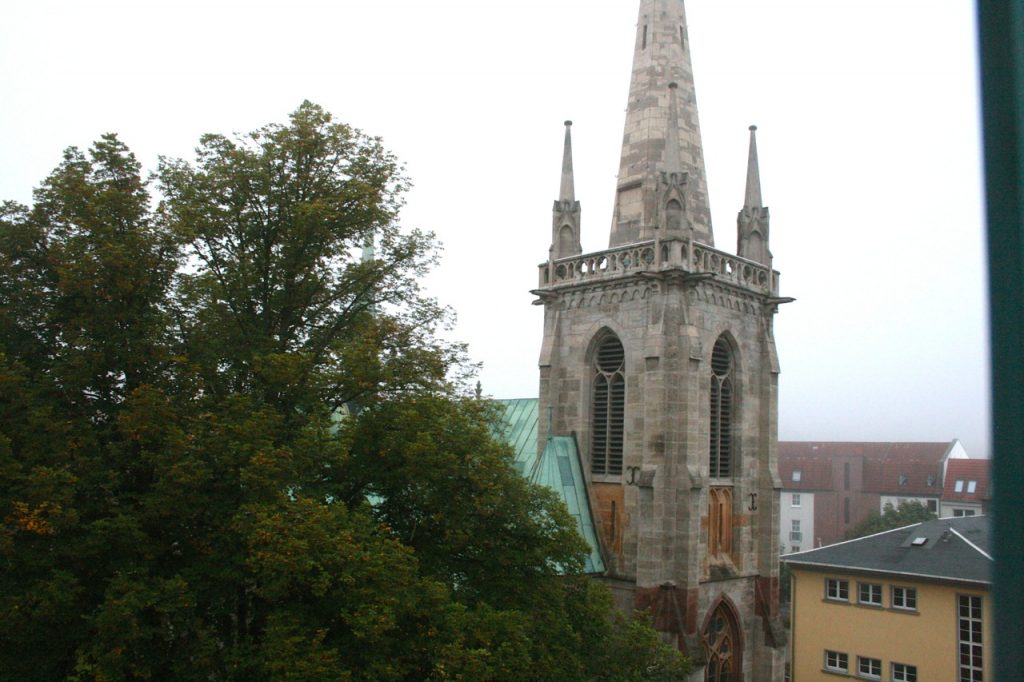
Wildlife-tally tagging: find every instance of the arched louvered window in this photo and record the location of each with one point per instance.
(721, 410)
(608, 413)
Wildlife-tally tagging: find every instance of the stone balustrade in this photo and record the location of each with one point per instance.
(659, 256)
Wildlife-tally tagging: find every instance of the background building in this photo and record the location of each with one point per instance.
(907, 605)
(838, 485)
(967, 489)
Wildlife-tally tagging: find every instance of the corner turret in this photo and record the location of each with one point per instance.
(565, 222)
(753, 219)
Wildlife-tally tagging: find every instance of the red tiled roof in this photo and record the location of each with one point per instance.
(815, 474)
(967, 470)
(907, 468)
(897, 468)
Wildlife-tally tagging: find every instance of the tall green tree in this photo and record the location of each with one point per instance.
(233, 447)
(83, 295)
(906, 514)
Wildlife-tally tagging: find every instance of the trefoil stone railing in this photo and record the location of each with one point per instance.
(657, 256)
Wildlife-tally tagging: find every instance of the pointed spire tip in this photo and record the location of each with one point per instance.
(753, 193)
(568, 191)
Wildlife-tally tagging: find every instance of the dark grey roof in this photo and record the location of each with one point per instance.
(954, 549)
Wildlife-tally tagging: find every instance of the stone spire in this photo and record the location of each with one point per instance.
(568, 191)
(753, 198)
(369, 251)
(661, 57)
(565, 223)
(752, 222)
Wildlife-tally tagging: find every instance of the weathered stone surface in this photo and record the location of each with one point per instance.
(668, 296)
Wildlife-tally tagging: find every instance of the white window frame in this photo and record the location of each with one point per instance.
(874, 590)
(906, 594)
(795, 535)
(904, 672)
(840, 586)
(837, 661)
(796, 500)
(872, 663)
(797, 475)
(975, 646)
(958, 487)
(972, 487)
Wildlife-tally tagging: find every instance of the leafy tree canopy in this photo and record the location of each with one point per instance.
(908, 513)
(233, 445)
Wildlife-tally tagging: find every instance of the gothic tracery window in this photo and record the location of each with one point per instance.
(608, 408)
(721, 640)
(720, 462)
(721, 450)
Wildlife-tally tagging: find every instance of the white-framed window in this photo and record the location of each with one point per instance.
(972, 486)
(871, 668)
(970, 638)
(836, 661)
(869, 594)
(796, 499)
(901, 672)
(794, 548)
(836, 589)
(797, 475)
(958, 486)
(794, 531)
(904, 598)
(963, 512)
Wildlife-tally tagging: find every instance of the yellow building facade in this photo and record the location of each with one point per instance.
(853, 618)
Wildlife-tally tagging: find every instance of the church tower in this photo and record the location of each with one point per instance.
(659, 357)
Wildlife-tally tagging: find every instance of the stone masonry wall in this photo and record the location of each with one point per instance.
(668, 329)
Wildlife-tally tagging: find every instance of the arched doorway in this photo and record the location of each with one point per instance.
(722, 642)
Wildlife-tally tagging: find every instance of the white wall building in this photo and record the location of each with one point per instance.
(796, 521)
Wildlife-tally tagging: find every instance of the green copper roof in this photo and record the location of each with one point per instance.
(521, 429)
(558, 468)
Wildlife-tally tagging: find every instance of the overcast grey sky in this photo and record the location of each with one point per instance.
(868, 138)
